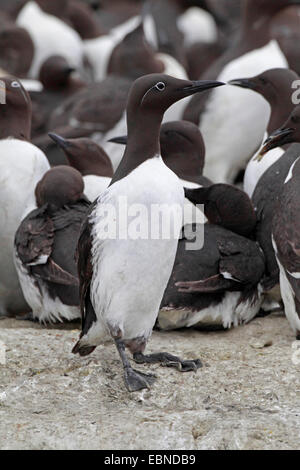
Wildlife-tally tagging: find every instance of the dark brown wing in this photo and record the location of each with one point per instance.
(34, 243)
(85, 272)
(34, 238)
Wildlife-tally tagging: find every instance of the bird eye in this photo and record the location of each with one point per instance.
(15, 84)
(160, 86)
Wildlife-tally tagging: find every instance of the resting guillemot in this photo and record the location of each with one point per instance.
(237, 130)
(276, 86)
(122, 281)
(22, 165)
(182, 149)
(218, 284)
(227, 206)
(90, 160)
(45, 245)
(286, 222)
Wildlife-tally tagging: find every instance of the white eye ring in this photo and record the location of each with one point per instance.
(15, 84)
(160, 86)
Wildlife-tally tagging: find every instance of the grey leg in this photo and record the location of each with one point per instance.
(134, 380)
(168, 360)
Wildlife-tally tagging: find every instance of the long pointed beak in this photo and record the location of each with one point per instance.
(60, 141)
(200, 85)
(243, 83)
(119, 140)
(276, 139)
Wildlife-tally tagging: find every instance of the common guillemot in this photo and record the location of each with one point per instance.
(115, 274)
(285, 223)
(92, 162)
(219, 283)
(276, 86)
(253, 52)
(22, 165)
(45, 245)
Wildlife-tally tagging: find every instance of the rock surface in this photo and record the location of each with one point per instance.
(246, 396)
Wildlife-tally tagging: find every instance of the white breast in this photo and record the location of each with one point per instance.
(130, 275)
(256, 168)
(95, 185)
(235, 119)
(50, 36)
(22, 165)
(197, 25)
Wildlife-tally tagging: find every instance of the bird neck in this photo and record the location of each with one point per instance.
(14, 123)
(142, 143)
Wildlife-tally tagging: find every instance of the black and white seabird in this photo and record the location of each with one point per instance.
(276, 86)
(233, 123)
(122, 281)
(22, 165)
(219, 283)
(45, 245)
(286, 223)
(91, 160)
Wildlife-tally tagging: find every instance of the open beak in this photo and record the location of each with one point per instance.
(119, 140)
(60, 141)
(243, 83)
(200, 85)
(276, 139)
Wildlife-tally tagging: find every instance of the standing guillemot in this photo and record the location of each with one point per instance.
(218, 284)
(276, 86)
(45, 245)
(50, 36)
(285, 223)
(115, 273)
(253, 52)
(22, 165)
(90, 160)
